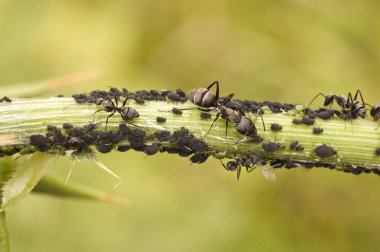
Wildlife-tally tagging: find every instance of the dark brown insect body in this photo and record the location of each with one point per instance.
(204, 97)
(127, 113)
(351, 107)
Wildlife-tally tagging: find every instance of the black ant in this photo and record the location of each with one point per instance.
(250, 162)
(351, 107)
(205, 98)
(127, 113)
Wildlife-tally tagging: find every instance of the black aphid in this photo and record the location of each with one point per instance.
(317, 130)
(271, 147)
(177, 111)
(162, 136)
(375, 112)
(293, 145)
(297, 121)
(307, 120)
(325, 113)
(324, 151)
(67, 126)
(6, 99)
(51, 128)
(152, 149)
(160, 119)
(127, 113)
(41, 142)
(377, 151)
(104, 147)
(299, 148)
(198, 145)
(181, 93)
(123, 148)
(199, 158)
(174, 97)
(275, 127)
(205, 115)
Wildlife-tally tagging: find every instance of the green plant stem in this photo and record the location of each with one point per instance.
(4, 237)
(355, 141)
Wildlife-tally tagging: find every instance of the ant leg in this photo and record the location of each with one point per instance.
(238, 172)
(358, 92)
(315, 98)
(225, 167)
(99, 111)
(124, 102)
(109, 117)
(217, 88)
(262, 120)
(216, 118)
(226, 127)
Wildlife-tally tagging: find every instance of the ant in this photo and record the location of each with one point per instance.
(127, 113)
(250, 162)
(205, 98)
(351, 107)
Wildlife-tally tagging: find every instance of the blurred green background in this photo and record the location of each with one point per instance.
(264, 50)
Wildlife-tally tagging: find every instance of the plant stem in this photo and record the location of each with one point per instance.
(354, 141)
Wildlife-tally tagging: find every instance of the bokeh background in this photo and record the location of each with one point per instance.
(285, 50)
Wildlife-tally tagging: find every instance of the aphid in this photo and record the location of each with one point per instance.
(67, 126)
(271, 147)
(51, 128)
(160, 119)
(375, 112)
(104, 147)
(317, 130)
(6, 99)
(204, 97)
(293, 145)
(324, 151)
(177, 111)
(297, 121)
(325, 113)
(181, 93)
(162, 136)
(152, 149)
(307, 120)
(299, 148)
(205, 115)
(198, 145)
(377, 151)
(123, 148)
(41, 142)
(199, 158)
(275, 127)
(174, 97)
(127, 113)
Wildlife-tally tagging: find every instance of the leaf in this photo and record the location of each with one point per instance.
(54, 185)
(20, 179)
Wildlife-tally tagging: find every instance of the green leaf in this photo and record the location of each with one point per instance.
(54, 185)
(20, 179)
(4, 238)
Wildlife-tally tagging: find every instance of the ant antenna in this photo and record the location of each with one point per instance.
(315, 98)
